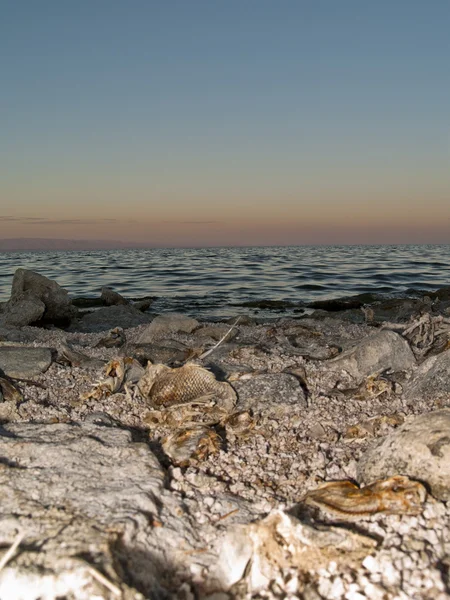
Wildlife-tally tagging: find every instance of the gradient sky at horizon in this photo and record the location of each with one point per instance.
(226, 122)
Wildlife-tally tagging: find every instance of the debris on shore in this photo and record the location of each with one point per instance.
(165, 457)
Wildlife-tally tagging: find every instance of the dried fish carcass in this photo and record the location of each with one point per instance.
(196, 442)
(164, 387)
(394, 495)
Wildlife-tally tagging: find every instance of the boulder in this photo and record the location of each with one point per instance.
(58, 306)
(164, 325)
(110, 317)
(431, 379)
(398, 309)
(419, 449)
(25, 308)
(384, 350)
(111, 298)
(24, 362)
(89, 500)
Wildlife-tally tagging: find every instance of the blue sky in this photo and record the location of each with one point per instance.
(208, 122)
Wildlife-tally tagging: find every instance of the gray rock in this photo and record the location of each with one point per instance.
(431, 379)
(270, 394)
(111, 298)
(165, 352)
(143, 304)
(24, 362)
(23, 309)
(384, 350)
(441, 294)
(87, 496)
(419, 449)
(397, 309)
(166, 324)
(109, 318)
(216, 332)
(58, 306)
(11, 334)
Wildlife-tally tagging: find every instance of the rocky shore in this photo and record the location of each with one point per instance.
(157, 456)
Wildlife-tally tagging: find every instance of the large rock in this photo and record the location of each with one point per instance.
(109, 318)
(419, 449)
(431, 379)
(384, 350)
(397, 309)
(23, 309)
(24, 362)
(164, 325)
(111, 298)
(86, 496)
(58, 306)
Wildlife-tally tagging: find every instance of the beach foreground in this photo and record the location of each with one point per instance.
(164, 457)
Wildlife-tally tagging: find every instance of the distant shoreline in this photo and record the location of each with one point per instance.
(68, 245)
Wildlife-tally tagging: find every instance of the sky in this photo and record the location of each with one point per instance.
(225, 122)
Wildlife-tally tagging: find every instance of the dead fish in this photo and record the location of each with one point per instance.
(164, 386)
(196, 442)
(394, 495)
(78, 359)
(9, 392)
(115, 339)
(201, 411)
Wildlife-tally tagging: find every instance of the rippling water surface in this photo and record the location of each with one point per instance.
(215, 281)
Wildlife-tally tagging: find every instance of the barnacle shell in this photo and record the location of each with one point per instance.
(193, 442)
(164, 386)
(394, 495)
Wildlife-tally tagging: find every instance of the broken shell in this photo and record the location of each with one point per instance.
(164, 386)
(196, 442)
(394, 495)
